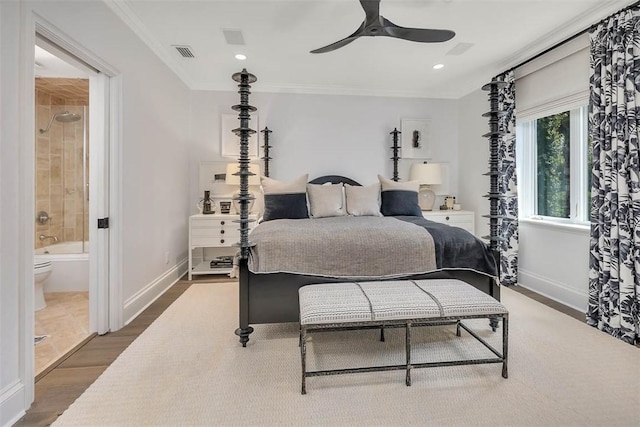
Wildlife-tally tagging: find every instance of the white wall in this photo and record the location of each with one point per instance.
(324, 135)
(12, 390)
(555, 262)
(155, 172)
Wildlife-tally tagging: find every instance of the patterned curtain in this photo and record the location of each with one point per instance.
(614, 261)
(507, 185)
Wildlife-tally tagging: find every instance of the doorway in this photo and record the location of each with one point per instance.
(95, 155)
(61, 238)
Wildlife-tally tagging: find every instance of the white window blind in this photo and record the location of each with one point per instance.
(557, 81)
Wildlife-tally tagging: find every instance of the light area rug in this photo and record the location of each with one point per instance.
(188, 369)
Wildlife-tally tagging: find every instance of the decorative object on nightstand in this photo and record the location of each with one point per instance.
(225, 207)
(449, 201)
(233, 178)
(206, 204)
(426, 174)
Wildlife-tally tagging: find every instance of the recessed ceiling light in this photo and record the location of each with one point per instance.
(438, 66)
(241, 57)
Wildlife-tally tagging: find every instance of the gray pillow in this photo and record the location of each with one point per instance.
(285, 200)
(363, 200)
(399, 198)
(326, 200)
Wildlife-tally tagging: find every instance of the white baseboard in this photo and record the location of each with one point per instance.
(559, 292)
(12, 401)
(147, 295)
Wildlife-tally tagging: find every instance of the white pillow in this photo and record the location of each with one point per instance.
(363, 200)
(325, 200)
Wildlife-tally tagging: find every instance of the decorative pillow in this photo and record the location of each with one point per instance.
(399, 198)
(363, 200)
(325, 200)
(285, 200)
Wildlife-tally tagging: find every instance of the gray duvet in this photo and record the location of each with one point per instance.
(345, 247)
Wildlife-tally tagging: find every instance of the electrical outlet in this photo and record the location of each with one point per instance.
(166, 257)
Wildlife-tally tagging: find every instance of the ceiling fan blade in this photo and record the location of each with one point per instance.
(345, 41)
(423, 35)
(371, 9)
(334, 46)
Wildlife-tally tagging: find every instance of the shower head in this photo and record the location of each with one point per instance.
(67, 117)
(64, 117)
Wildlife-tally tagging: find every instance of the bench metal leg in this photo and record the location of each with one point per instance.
(458, 328)
(505, 344)
(303, 356)
(382, 334)
(494, 322)
(408, 344)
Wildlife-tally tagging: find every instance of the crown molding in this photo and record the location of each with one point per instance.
(124, 12)
(332, 90)
(581, 22)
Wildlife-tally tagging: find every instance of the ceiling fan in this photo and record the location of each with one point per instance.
(376, 25)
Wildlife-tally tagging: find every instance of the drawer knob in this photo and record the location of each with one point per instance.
(221, 240)
(221, 231)
(221, 222)
(447, 218)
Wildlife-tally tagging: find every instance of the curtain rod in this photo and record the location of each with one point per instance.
(560, 43)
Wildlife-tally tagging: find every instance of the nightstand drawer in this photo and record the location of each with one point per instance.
(215, 232)
(213, 242)
(449, 219)
(214, 223)
(462, 219)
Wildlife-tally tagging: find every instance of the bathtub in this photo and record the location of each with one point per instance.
(70, 266)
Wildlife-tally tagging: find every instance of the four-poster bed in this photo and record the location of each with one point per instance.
(272, 296)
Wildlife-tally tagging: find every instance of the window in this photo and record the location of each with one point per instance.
(555, 162)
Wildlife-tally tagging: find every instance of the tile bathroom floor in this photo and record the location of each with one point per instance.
(64, 322)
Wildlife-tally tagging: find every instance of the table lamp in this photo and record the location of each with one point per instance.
(426, 174)
(234, 180)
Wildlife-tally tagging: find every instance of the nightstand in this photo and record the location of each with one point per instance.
(212, 236)
(462, 219)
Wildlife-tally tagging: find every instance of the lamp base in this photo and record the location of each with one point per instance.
(426, 198)
(236, 202)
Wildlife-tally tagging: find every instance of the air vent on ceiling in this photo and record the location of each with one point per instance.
(460, 48)
(233, 36)
(185, 51)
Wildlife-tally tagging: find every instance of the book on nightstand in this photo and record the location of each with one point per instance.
(221, 262)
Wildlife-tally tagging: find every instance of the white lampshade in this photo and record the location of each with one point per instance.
(233, 168)
(426, 173)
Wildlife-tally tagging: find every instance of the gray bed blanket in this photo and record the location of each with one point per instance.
(456, 248)
(346, 247)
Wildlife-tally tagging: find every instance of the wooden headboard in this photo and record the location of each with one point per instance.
(334, 179)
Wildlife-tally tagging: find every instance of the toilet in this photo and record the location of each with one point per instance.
(41, 271)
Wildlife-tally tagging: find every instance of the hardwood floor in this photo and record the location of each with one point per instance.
(61, 386)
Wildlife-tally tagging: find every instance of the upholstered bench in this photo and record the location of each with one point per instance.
(400, 303)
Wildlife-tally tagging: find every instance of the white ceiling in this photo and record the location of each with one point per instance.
(279, 35)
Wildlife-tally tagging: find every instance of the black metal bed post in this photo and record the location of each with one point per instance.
(243, 198)
(395, 157)
(494, 136)
(266, 132)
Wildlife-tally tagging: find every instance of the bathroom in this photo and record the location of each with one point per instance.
(61, 262)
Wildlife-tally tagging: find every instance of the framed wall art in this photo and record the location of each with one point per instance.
(230, 142)
(416, 138)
